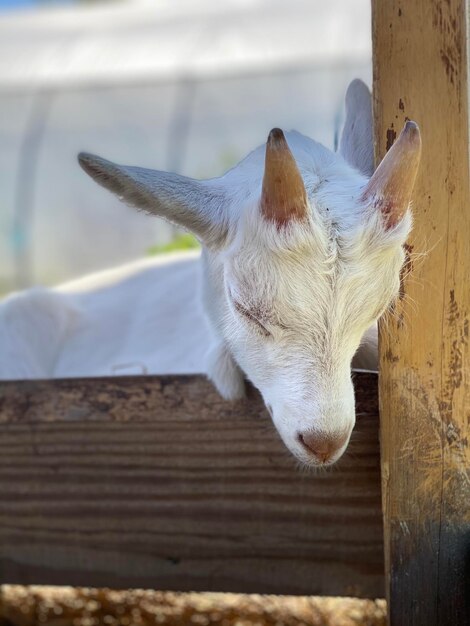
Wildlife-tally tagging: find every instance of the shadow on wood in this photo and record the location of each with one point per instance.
(157, 482)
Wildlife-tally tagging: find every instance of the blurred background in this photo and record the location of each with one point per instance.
(189, 86)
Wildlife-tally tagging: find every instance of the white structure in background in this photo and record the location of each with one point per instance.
(186, 85)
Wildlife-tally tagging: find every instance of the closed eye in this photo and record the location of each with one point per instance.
(252, 318)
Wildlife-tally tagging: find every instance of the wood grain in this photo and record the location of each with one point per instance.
(157, 482)
(421, 73)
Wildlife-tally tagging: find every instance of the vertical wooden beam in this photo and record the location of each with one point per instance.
(421, 73)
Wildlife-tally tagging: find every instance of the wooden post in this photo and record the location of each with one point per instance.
(421, 73)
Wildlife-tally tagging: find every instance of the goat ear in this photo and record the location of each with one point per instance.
(198, 206)
(391, 185)
(357, 144)
(283, 195)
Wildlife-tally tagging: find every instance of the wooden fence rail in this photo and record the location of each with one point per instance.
(157, 482)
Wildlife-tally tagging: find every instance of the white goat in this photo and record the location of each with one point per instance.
(301, 254)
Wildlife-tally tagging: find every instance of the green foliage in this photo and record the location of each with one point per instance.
(184, 241)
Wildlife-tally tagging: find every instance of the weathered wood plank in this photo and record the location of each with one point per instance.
(421, 73)
(157, 482)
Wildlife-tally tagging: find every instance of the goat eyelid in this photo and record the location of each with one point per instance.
(252, 318)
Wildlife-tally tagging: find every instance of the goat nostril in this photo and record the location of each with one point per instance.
(319, 448)
(323, 447)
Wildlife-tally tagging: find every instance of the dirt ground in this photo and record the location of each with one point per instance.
(66, 606)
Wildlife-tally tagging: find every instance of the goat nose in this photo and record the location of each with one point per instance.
(323, 446)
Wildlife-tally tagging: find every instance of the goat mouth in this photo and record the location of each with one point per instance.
(313, 464)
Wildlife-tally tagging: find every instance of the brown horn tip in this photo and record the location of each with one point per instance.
(277, 136)
(411, 127)
(283, 195)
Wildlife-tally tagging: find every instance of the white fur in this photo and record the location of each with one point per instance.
(316, 286)
(145, 317)
(142, 318)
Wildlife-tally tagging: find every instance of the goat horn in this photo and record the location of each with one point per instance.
(283, 196)
(392, 183)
